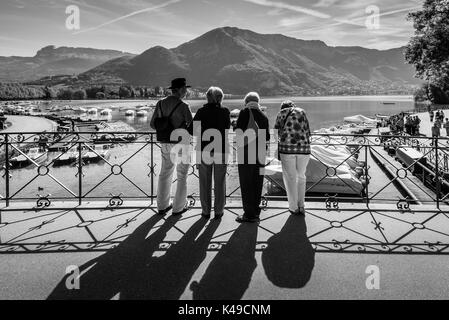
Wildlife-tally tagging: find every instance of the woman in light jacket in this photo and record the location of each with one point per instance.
(294, 151)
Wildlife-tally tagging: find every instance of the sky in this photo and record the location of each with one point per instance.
(136, 25)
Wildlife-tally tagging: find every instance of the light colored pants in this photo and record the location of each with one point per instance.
(294, 168)
(171, 159)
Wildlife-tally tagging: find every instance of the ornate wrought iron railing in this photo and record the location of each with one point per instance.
(43, 168)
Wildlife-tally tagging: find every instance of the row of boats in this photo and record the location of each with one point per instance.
(92, 154)
(38, 107)
(20, 108)
(139, 111)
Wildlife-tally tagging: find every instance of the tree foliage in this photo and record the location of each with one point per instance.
(65, 94)
(124, 93)
(11, 91)
(79, 94)
(428, 49)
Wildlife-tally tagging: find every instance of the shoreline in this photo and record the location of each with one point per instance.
(27, 124)
(228, 97)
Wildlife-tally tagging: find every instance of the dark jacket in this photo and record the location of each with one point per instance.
(262, 122)
(213, 116)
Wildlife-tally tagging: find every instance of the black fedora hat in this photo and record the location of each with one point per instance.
(179, 83)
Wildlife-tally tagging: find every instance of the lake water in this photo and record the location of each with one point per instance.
(323, 112)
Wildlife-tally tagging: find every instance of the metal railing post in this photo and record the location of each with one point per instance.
(80, 174)
(152, 168)
(366, 176)
(437, 174)
(7, 170)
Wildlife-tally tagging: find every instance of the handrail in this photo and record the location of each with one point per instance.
(356, 144)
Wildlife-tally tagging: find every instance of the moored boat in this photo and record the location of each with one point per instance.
(345, 177)
(33, 155)
(80, 110)
(66, 159)
(92, 111)
(96, 155)
(106, 112)
(141, 113)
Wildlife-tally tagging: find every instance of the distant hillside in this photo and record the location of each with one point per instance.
(51, 61)
(241, 60)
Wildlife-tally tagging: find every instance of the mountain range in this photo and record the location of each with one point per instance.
(50, 61)
(238, 61)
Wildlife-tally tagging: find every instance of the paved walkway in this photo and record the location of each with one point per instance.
(324, 256)
(426, 125)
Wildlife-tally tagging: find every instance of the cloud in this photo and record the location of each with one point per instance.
(289, 22)
(325, 3)
(295, 8)
(282, 5)
(19, 4)
(154, 8)
(363, 18)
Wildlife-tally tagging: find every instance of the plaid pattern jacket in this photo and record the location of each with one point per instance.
(294, 131)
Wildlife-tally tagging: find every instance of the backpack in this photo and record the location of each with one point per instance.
(163, 125)
(252, 124)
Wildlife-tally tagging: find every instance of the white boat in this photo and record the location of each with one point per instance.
(360, 119)
(141, 113)
(130, 113)
(146, 108)
(99, 154)
(80, 110)
(32, 155)
(56, 109)
(92, 111)
(66, 159)
(106, 112)
(345, 180)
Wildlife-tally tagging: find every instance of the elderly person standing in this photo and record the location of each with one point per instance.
(294, 151)
(212, 116)
(252, 121)
(175, 114)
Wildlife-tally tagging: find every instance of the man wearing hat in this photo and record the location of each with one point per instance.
(180, 117)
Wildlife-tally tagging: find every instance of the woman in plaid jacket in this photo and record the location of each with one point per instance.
(294, 151)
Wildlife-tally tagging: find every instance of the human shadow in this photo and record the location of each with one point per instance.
(229, 274)
(166, 277)
(289, 258)
(104, 277)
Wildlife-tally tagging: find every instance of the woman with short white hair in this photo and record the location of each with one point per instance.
(213, 163)
(250, 167)
(252, 97)
(214, 95)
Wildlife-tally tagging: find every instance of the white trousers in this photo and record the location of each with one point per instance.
(294, 168)
(171, 158)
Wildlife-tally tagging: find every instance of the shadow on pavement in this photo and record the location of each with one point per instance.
(132, 271)
(289, 259)
(229, 274)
